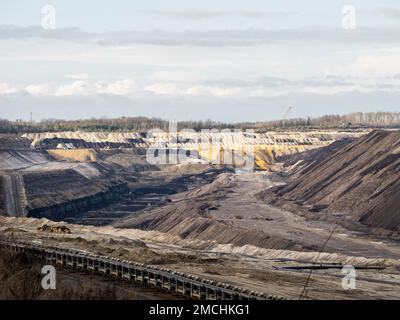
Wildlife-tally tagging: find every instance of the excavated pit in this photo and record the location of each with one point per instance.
(250, 229)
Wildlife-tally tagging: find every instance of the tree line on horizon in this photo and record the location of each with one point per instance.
(143, 124)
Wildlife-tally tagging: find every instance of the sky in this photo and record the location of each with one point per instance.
(223, 60)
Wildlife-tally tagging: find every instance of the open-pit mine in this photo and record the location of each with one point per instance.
(314, 205)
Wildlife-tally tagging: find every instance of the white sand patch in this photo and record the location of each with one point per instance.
(250, 250)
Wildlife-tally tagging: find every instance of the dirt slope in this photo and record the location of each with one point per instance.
(229, 211)
(13, 160)
(247, 266)
(208, 213)
(361, 179)
(14, 194)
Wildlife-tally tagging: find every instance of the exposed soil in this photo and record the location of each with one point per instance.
(248, 266)
(230, 211)
(359, 181)
(336, 204)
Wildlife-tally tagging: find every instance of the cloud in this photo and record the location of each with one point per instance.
(251, 37)
(175, 89)
(120, 88)
(196, 14)
(224, 109)
(78, 76)
(177, 75)
(274, 87)
(78, 87)
(81, 87)
(39, 89)
(262, 87)
(390, 12)
(124, 87)
(6, 89)
(211, 38)
(15, 32)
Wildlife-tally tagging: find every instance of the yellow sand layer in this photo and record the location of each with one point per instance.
(82, 155)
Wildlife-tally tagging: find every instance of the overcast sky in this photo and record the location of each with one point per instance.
(242, 60)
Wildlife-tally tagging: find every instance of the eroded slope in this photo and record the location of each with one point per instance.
(361, 179)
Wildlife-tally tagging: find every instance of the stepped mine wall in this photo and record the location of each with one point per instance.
(79, 205)
(267, 146)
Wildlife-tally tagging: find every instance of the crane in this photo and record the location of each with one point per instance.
(285, 115)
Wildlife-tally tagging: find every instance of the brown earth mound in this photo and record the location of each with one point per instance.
(197, 214)
(193, 221)
(360, 179)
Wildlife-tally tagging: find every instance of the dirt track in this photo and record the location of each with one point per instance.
(230, 212)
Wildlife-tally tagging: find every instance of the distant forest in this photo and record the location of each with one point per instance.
(143, 124)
